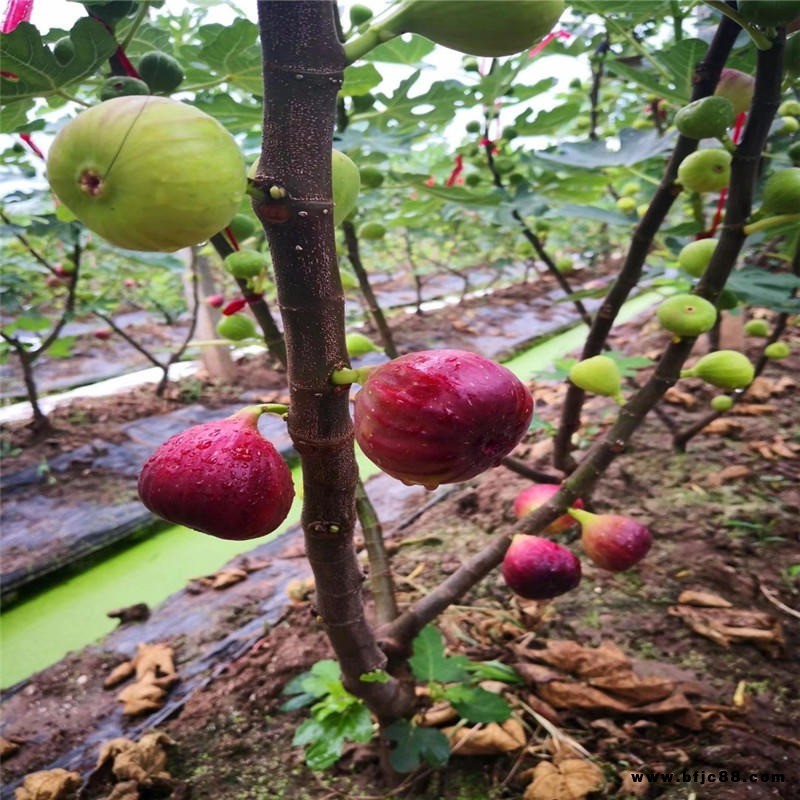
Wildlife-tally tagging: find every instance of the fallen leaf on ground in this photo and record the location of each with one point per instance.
(690, 597)
(727, 626)
(142, 697)
(138, 612)
(679, 397)
(753, 409)
(571, 779)
(52, 784)
(218, 580)
(731, 473)
(143, 761)
(125, 791)
(773, 450)
(723, 426)
(7, 747)
(155, 673)
(490, 739)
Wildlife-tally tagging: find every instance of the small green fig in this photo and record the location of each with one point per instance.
(709, 117)
(627, 205)
(705, 170)
(695, 257)
(473, 126)
(346, 185)
(372, 231)
(757, 327)
(788, 108)
(564, 264)
(722, 402)
(787, 126)
(359, 345)
(242, 227)
(599, 375)
(245, 263)
(359, 14)
(236, 327)
(122, 86)
(777, 350)
(781, 194)
(64, 50)
(686, 315)
(160, 71)
(371, 177)
(725, 369)
(629, 189)
(727, 300)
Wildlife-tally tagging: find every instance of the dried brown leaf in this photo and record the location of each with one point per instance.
(584, 661)
(731, 473)
(125, 791)
(52, 784)
(723, 426)
(754, 409)
(635, 690)
(7, 747)
(142, 697)
(119, 674)
(487, 740)
(727, 626)
(227, 577)
(571, 779)
(679, 397)
(144, 761)
(690, 597)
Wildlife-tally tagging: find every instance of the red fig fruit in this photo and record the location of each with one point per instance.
(103, 334)
(537, 569)
(528, 500)
(440, 416)
(614, 542)
(215, 300)
(222, 478)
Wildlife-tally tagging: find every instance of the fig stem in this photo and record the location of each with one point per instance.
(255, 411)
(770, 222)
(347, 375)
(581, 515)
(376, 34)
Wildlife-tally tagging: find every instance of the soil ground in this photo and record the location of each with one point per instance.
(686, 664)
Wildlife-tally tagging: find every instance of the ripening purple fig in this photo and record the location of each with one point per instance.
(538, 569)
(528, 500)
(612, 541)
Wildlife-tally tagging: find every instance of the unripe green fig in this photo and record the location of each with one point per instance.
(705, 118)
(480, 27)
(788, 108)
(725, 369)
(472, 179)
(791, 55)
(781, 194)
(564, 264)
(769, 13)
(359, 14)
(787, 126)
(737, 86)
(727, 300)
(346, 186)
(722, 402)
(599, 375)
(362, 102)
(473, 126)
(695, 257)
(113, 11)
(504, 165)
(242, 227)
(509, 133)
(686, 315)
(629, 189)
(122, 86)
(777, 350)
(147, 173)
(705, 170)
(359, 345)
(245, 263)
(794, 152)
(236, 327)
(372, 231)
(371, 177)
(160, 71)
(64, 50)
(627, 205)
(756, 327)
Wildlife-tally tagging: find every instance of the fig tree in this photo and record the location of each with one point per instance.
(598, 375)
(160, 71)
(695, 257)
(147, 173)
(613, 541)
(528, 500)
(480, 27)
(222, 478)
(538, 569)
(705, 170)
(686, 315)
(725, 369)
(440, 416)
(709, 117)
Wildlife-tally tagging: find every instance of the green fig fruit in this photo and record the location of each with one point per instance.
(757, 327)
(160, 71)
(346, 185)
(242, 227)
(480, 27)
(245, 263)
(794, 151)
(122, 86)
(564, 264)
(372, 231)
(695, 257)
(727, 300)
(781, 194)
(359, 14)
(627, 205)
(359, 345)
(788, 108)
(787, 126)
(722, 402)
(686, 315)
(64, 50)
(706, 118)
(599, 375)
(236, 327)
(371, 177)
(777, 350)
(705, 170)
(725, 369)
(629, 189)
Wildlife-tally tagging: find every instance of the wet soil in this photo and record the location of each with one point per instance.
(724, 520)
